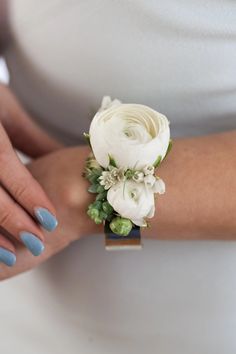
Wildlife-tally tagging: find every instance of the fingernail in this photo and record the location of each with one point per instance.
(7, 257)
(46, 219)
(32, 242)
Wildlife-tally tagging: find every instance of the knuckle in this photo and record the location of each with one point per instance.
(21, 191)
(70, 196)
(6, 216)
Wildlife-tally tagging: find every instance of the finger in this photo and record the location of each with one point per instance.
(19, 224)
(18, 181)
(7, 251)
(24, 133)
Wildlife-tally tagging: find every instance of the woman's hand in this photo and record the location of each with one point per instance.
(23, 202)
(59, 173)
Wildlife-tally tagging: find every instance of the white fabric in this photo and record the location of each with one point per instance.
(179, 57)
(4, 73)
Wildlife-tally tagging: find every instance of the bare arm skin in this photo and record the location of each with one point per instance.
(200, 201)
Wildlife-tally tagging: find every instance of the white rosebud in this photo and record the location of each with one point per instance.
(148, 170)
(132, 201)
(159, 186)
(133, 134)
(149, 180)
(138, 176)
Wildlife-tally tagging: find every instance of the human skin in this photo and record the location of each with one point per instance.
(199, 203)
(22, 199)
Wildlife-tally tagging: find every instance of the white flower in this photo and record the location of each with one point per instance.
(138, 176)
(132, 201)
(109, 178)
(159, 186)
(148, 170)
(134, 135)
(149, 180)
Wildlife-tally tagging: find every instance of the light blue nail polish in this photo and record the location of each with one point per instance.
(7, 257)
(32, 242)
(46, 219)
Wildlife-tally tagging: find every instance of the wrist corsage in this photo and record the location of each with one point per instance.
(128, 143)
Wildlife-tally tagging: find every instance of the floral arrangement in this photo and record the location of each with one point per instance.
(128, 142)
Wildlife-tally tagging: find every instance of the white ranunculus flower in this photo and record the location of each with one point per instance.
(133, 134)
(132, 200)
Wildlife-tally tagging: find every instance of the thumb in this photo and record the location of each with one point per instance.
(23, 132)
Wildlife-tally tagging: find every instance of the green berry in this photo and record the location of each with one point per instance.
(93, 213)
(98, 220)
(121, 226)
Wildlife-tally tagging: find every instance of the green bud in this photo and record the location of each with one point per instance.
(121, 226)
(107, 207)
(93, 213)
(129, 174)
(98, 220)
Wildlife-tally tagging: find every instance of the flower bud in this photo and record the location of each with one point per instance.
(121, 226)
(93, 212)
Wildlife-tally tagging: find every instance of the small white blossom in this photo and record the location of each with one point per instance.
(148, 170)
(138, 176)
(149, 180)
(111, 177)
(159, 186)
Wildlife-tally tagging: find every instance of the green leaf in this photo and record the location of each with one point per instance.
(169, 148)
(100, 189)
(101, 196)
(157, 162)
(97, 205)
(107, 207)
(112, 161)
(87, 138)
(93, 188)
(103, 215)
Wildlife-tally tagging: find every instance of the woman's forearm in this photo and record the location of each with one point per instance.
(200, 201)
(200, 198)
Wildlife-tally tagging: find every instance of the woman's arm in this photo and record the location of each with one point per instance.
(200, 202)
(200, 198)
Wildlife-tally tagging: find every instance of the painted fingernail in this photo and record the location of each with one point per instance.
(7, 257)
(46, 219)
(32, 242)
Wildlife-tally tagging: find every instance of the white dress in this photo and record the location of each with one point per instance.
(179, 57)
